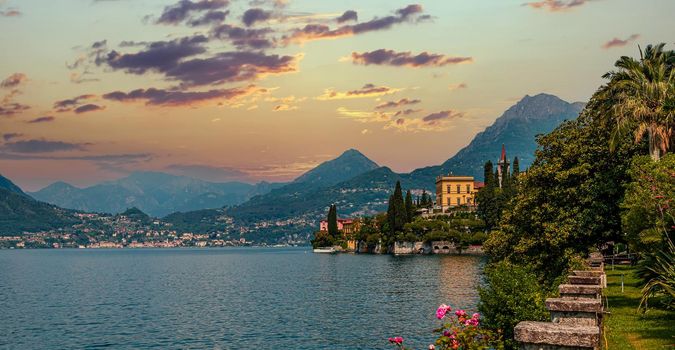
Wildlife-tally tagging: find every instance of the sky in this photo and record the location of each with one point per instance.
(252, 90)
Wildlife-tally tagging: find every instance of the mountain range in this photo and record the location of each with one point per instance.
(155, 193)
(364, 189)
(355, 183)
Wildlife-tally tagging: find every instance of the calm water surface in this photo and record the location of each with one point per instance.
(232, 298)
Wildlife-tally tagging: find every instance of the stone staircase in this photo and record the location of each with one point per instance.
(576, 316)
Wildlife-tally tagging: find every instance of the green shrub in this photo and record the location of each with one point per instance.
(510, 294)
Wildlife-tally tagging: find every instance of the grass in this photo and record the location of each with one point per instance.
(628, 328)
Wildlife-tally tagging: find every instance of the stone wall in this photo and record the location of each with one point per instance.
(576, 317)
(405, 248)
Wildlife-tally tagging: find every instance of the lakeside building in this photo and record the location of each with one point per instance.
(503, 165)
(348, 227)
(456, 190)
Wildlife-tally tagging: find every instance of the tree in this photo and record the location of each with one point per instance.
(332, 221)
(409, 207)
(396, 212)
(516, 167)
(488, 199)
(487, 173)
(640, 96)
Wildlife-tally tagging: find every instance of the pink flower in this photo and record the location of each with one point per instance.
(460, 313)
(442, 310)
(396, 340)
(475, 316)
(432, 347)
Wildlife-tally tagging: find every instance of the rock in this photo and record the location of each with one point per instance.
(557, 336)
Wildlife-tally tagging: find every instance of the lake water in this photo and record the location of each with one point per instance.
(230, 298)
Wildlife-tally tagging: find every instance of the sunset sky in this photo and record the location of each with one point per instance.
(267, 89)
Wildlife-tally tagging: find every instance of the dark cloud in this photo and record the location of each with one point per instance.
(279, 4)
(88, 108)
(211, 17)
(44, 119)
(321, 31)
(13, 81)
(407, 112)
(244, 37)
(12, 108)
(103, 159)
(182, 10)
(154, 96)
(160, 55)
(556, 5)
(349, 15)
(42, 146)
(11, 135)
(399, 103)
(393, 58)
(68, 104)
(616, 42)
(369, 89)
(252, 16)
(442, 115)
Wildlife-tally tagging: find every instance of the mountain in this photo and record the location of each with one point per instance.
(516, 129)
(348, 165)
(8, 185)
(155, 193)
(19, 212)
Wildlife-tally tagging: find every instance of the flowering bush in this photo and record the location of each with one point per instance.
(459, 332)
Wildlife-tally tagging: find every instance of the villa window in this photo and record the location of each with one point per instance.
(459, 201)
(468, 188)
(449, 201)
(449, 189)
(459, 189)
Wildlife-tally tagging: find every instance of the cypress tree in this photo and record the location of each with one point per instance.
(332, 221)
(487, 173)
(409, 207)
(398, 210)
(516, 167)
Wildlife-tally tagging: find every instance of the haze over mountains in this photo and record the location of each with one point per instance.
(355, 183)
(156, 193)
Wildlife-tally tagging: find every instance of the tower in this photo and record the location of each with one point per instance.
(503, 166)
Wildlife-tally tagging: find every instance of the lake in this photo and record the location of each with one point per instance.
(228, 298)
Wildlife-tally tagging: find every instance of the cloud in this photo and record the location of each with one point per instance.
(368, 90)
(211, 17)
(10, 13)
(349, 15)
(68, 105)
(442, 115)
(406, 112)
(167, 58)
(254, 15)
(363, 116)
(42, 146)
(244, 37)
(182, 10)
(160, 97)
(407, 59)
(160, 55)
(44, 119)
(11, 135)
(207, 172)
(90, 107)
(399, 103)
(12, 108)
(320, 31)
(556, 5)
(616, 42)
(13, 81)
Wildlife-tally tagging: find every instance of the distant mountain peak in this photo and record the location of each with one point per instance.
(10, 186)
(349, 164)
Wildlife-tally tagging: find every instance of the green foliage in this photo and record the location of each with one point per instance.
(409, 207)
(657, 272)
(569, 200)
(511, 294)
(323, 239)
(19, 213)
(649, 206)
(396, 213)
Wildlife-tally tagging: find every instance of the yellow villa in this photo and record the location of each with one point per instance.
(455, 190)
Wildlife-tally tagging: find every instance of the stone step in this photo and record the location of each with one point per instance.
(577, 291)
(571, 305)
(592, 280)
(554, 334)
(588, 273)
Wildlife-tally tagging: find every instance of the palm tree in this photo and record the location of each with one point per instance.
(641, 97)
